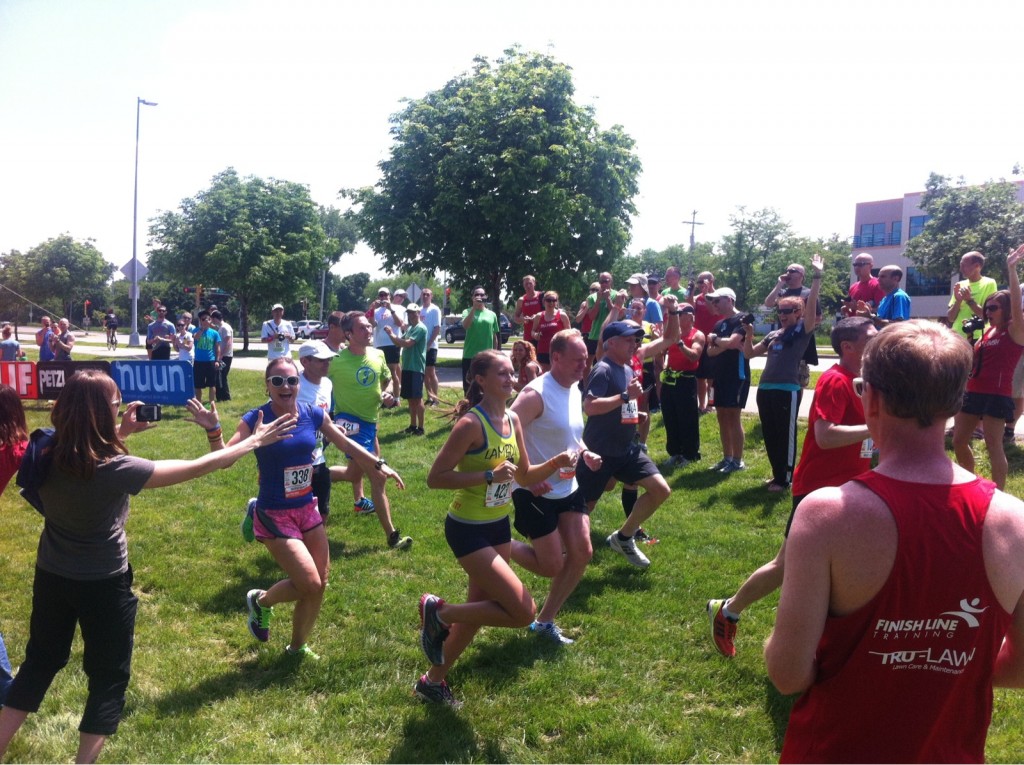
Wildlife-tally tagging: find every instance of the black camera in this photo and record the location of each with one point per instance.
(280, 337)
(748, 319)
(972, 325)
(148, 413)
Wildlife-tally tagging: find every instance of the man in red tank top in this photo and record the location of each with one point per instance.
(901, 586)
(527, 307)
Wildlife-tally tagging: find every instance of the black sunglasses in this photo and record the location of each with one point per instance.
(787, 311)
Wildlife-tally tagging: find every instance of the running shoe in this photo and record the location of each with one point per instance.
(419, 432)
(398, 542)
(250, 511)
(432, 632)
(733, 466)
(303, 652)
(364, 506)
(259, 616)
(550, 631)
(628, 549)
(723, 629)
(673, 462)
(719, 465)
(435, 693)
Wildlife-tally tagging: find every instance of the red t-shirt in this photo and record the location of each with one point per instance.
(871, 292)
(10, 461)
(547, 330)
(531, 307)
(704, 318)
(834, 401)
(908, 677)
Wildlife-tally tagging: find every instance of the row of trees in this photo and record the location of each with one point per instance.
(497, 174)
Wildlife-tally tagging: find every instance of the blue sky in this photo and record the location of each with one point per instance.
(806, 107)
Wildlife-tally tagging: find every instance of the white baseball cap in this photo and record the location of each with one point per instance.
(317, 349)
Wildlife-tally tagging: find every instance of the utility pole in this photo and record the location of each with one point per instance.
(693, 226)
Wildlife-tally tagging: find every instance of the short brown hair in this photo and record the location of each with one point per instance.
(920, 367)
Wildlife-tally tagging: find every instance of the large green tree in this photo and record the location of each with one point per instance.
(498, 174)
(58, 275)
(987, 218)
(261, 240)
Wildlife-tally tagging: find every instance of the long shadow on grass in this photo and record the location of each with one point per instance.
(442, 735)
(250, 676)
(230, 598)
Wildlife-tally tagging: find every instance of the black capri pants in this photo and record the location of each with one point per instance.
(105, 609)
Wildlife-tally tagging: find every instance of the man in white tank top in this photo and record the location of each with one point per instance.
(554, 513)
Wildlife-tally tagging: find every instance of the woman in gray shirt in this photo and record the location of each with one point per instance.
(82, 574)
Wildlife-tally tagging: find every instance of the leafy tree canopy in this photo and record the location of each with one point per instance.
(261, 240)
(499, 174)
(987, 218)
(59, 274)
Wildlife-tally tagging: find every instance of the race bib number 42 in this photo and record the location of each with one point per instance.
(298, 480)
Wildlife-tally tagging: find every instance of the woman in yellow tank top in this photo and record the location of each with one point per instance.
(482, 456)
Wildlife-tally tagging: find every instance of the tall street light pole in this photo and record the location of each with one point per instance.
(133, 339)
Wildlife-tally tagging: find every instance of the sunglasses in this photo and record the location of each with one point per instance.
(990, 307)
(279, 381)
(786, 311)
(860, 382)
(550, 300)
(858, 265)
(793, 271)
(605, 281)
(181, 326)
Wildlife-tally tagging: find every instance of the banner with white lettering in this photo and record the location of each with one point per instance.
(20, 375)
(154, 382)
(53, 375)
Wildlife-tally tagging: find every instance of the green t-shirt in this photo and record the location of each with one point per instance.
(357, 382)
(602, 312)
(680, 293)
(480, 335)
(981, 290)
(414, 358)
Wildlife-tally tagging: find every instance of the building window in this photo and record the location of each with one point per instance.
(897, 232)
(919, 285)
(872, 235)
(917, 224)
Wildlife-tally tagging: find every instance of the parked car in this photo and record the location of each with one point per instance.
(320, 333)
(304, 328)
(454, 331)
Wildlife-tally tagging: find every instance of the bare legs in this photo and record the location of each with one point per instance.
(306, 562)
(495, 598)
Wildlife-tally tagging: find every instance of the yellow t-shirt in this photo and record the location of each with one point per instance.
(483, 502)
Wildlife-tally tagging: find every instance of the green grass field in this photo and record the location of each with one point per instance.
(641, 684)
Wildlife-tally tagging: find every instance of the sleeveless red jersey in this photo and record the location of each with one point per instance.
(908, 677)
(531, 307)
(676, 361)
(995, 357)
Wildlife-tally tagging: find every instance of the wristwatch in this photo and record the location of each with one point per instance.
(379, 464)
(489, 476)
(624, 396)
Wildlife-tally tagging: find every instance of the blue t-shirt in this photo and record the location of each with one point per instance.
(286, 467)
(895, 306)
(205, 344)
(652, 313)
